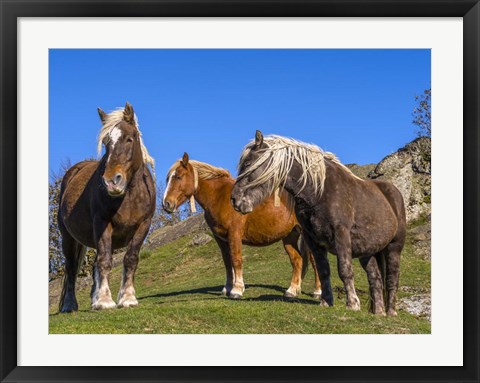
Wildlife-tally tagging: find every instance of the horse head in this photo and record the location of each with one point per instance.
(123, 146)
(182, 182)
(247, 193)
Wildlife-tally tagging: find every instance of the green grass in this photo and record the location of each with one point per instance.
(178, 288)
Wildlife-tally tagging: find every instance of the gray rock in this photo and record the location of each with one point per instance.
(409, 169)
(169, 234)
(421, 239)
(201, 239)
(419, 305)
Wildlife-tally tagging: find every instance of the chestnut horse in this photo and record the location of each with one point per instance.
(212, 187)
(106, 205)
(338, 211)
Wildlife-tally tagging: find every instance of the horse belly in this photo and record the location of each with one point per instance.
(261, 239)
(121, 238)
(372, 236)
(264, 230)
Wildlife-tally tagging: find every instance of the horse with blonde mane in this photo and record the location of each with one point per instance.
(339, 213)
(272, 221)
(107, 205)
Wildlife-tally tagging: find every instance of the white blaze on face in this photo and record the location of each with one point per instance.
(168, 186)
(115, 134)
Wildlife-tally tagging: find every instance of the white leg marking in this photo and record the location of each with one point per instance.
(126, 294)
(101, 297)
(294, 290)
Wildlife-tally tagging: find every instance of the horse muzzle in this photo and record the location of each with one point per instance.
(116, 186)
(241, 205)
(169, 207)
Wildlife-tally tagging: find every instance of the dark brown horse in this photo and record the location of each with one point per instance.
(339, 213)
(106, 205)
(212, 187)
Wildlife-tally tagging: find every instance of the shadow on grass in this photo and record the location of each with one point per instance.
(217, 291)
(73, 313)
(280, 298)
(212, 290)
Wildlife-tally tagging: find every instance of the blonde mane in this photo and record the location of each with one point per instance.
(111, 121)
(205, 171)
(279, 157)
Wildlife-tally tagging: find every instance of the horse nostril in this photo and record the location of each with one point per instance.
(232, 201)
(167, 206)
(117, 179)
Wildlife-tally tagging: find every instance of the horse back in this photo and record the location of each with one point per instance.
(74, 170)
(394, 197)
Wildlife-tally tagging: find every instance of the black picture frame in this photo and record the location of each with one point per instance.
(11, 10)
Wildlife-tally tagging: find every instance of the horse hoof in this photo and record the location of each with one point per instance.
(235, 296)
(317, 296)
(103, 305)
(127, 302)
(289, 296)
(392, 313)
(68, 308)
(354, 306)
(226, 292)
(324, 303)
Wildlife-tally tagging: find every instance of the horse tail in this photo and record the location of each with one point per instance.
(305, 253)
(76, 262)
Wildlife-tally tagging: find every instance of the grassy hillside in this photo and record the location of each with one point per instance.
(178, 288)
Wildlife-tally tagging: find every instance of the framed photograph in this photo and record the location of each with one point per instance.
(163, 131)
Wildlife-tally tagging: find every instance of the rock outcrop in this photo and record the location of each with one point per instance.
(167, 234)
(409, 169)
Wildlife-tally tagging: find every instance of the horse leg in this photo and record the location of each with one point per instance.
(317, 293)
(345, 268)
(322, 268)
(126, 294)
(227, 261)
(392, 258)
(100, 294)
(74, 253)
(299, 263)
(371, 267)
(235, 246)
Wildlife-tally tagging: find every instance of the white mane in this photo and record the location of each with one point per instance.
(111, 121)
(279, 157)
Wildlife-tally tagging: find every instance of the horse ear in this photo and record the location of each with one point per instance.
(129, 114)
(258, 138)
(185, 159)
(102, 114)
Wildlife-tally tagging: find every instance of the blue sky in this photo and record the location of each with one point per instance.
(355, 103)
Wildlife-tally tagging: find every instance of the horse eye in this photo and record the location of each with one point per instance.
(129, 139)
